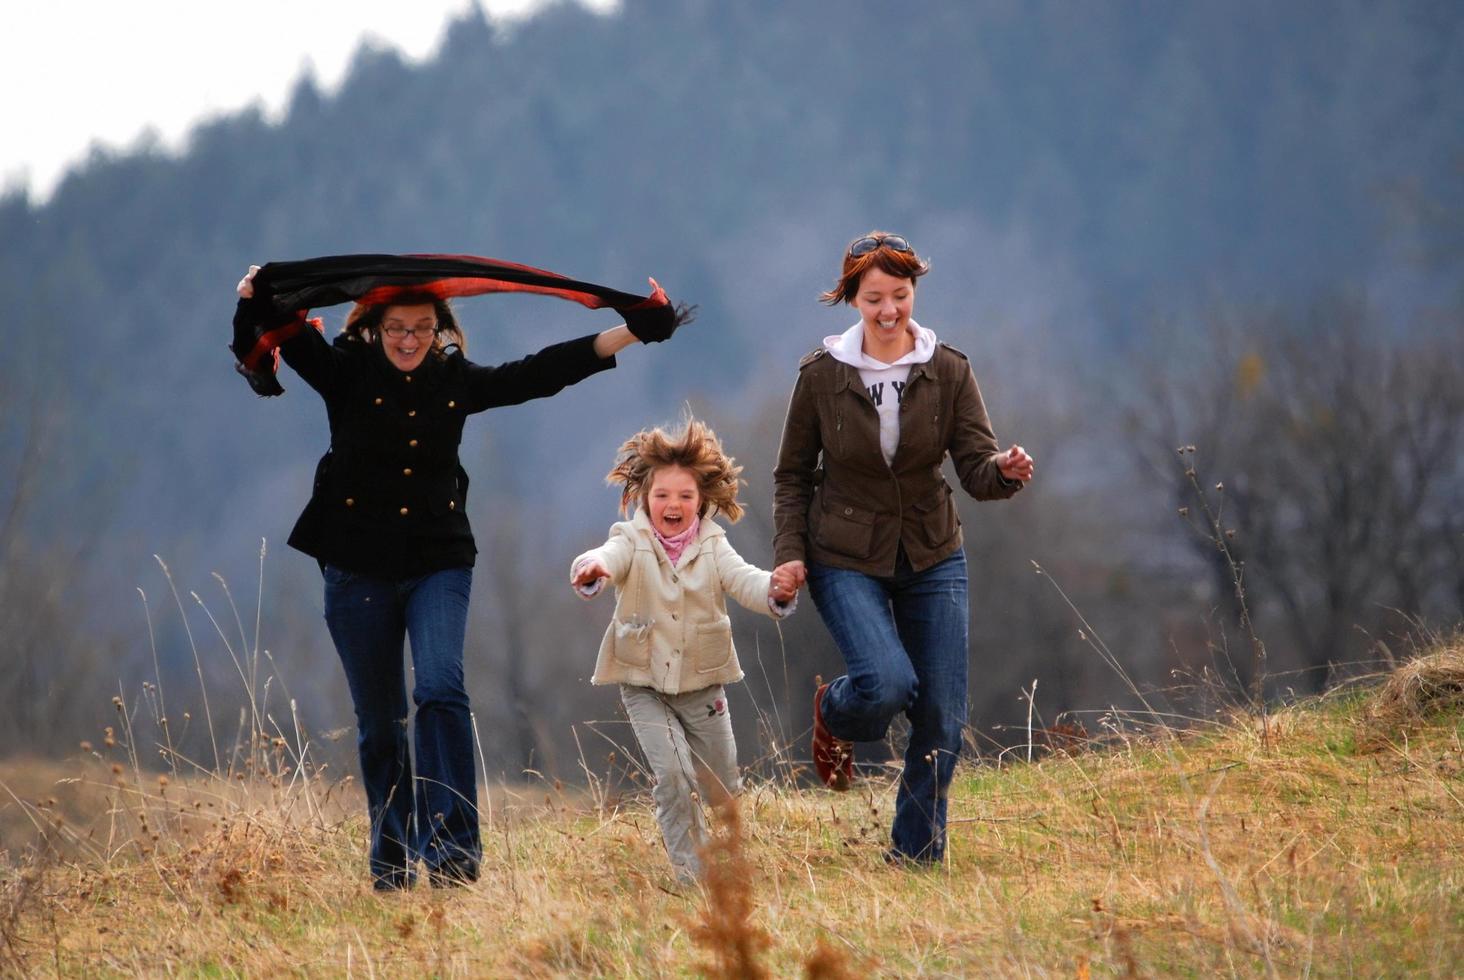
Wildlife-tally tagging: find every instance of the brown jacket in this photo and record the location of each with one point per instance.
(838, 503)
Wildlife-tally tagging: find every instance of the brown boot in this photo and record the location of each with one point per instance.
(833, 758)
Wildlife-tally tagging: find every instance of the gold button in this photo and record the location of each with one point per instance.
(412, 414)
(452, 404)
(452, 505)
(377, 402)
(412, 443)
(409, 377)
(404, 512)
(350, 501)
(407, 471)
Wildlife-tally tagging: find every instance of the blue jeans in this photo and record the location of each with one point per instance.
(904, 641)
(435, 816)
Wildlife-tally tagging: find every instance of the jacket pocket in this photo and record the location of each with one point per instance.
(631, 642)
(713, 645)
(936, 514)
(845, 529)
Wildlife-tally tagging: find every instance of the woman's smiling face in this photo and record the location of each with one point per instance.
(407, 333)
(885, 303)
(673, 500)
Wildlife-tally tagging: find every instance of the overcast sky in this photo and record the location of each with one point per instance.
(75, 72)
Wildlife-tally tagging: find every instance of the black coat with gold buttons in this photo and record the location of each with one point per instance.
(390, 494)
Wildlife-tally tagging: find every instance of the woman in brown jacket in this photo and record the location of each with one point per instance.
(864, 516)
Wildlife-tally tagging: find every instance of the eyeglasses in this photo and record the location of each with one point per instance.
(869, 243)
(398, 332)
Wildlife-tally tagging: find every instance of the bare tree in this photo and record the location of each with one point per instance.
(1337, 455)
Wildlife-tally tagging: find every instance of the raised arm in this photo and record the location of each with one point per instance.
(540, 375)
(610, 342)
(307, 351)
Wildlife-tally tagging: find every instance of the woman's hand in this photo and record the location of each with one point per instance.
(789, 577)
(245, 289)
(649, 325)
(653, 324)
(1015, 464)
(781, 588)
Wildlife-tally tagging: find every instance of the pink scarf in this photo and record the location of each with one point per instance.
(675, 546)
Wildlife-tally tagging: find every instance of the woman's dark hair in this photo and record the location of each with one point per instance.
(364, 321)
(901, 265)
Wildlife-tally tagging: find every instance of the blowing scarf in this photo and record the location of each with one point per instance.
(283, 291)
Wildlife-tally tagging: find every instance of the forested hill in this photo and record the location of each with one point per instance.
(1076, 171)
(1141, 147)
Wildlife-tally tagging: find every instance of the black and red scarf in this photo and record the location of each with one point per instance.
(284, 291)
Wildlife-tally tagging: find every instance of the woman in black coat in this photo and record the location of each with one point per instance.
(387, 522)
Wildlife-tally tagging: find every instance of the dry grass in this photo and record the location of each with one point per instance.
(1430, 685)
(1308, 853)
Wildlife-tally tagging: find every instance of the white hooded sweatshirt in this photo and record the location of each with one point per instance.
(884, 382)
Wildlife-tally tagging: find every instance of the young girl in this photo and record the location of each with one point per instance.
(669, 645)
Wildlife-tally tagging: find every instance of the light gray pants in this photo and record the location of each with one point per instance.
(687, 740)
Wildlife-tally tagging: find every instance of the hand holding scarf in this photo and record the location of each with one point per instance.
(283, 291)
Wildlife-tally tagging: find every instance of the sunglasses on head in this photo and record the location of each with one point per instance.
(869, 243)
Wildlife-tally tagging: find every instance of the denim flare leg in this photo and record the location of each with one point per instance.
(435, 816)
(904, 642)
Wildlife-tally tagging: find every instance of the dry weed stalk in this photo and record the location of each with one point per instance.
(1222, 539)
(829, 963)
(725, 928)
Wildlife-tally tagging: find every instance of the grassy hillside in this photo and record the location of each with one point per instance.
(1328, 843)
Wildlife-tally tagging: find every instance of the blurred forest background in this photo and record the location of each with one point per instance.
(1237, 225)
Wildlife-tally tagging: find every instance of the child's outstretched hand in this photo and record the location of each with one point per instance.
(586, 575)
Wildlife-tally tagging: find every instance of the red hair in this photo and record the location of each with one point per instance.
(901, 265)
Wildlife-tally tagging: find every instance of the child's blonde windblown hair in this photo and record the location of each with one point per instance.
(696, 448)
